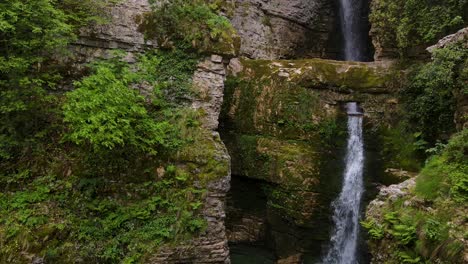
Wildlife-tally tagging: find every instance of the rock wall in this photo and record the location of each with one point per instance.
(121, 32)
(286, 28)
(284, 124)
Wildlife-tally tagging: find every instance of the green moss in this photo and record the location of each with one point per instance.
(289, 163)
(318, 73)
(203, 152)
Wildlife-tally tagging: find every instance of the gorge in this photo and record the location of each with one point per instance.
(233, 131)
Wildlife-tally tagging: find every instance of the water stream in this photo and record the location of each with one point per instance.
(344, 239)
(351, 26)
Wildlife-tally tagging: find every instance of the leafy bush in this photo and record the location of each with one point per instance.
(103, 112)
(429, 98)
(400, 148)
(97, 228)
(31, 31)
(447, 173)
(408, 23)
(375, 230)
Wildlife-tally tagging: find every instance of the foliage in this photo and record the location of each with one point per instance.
(65, 200)
(408, 23)
(31, 32)
(374, 230)
(194, 23)
(399, 148)
(172, 73)
(426, 225)
(447, 174)
(72, 202)
(429, 98)
(97, 227)
(104, 113)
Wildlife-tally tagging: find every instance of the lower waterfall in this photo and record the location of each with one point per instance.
(344, 239)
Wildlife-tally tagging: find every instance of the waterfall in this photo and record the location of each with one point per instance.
(351, 26)
(346, 207)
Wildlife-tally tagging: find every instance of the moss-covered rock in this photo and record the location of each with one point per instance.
(283, 121)
(287, 163)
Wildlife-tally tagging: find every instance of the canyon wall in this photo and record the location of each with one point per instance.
(282, 29)
(284, 125)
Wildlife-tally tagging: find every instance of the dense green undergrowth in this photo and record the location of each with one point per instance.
(104, 173)
(405, 24)
(430, 99)
(429, 224)
(101, 190)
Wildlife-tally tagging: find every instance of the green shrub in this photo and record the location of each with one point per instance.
(400, 148)
(447, 173)
(104, 112)
(429, 98)
(375, 230)
(31, 32)
(408, 23)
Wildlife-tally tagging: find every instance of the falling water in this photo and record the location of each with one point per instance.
(347, 206)
(351, 26)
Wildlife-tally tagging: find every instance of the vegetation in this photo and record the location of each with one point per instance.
(419, 235)
(405, 24)
(429, 98)
(104, 173)
(427, 225)
(115, 115)
(196, 24)
(409, 230)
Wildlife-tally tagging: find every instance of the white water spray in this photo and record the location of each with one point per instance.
(346, 207)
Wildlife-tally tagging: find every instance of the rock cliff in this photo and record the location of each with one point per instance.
(283, 124)
(285, 29)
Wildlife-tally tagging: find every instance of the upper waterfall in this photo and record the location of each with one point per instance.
(351, 26)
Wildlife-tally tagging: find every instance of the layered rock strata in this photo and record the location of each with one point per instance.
(285, 29)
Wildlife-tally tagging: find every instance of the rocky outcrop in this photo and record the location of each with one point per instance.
(121, 30)
(459, 36)
(382, 252)
(285, 29)
(212, 245)
(208, 82)
(400, 222)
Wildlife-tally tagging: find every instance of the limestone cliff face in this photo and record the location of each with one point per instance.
(122, 33)
(285, 28)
